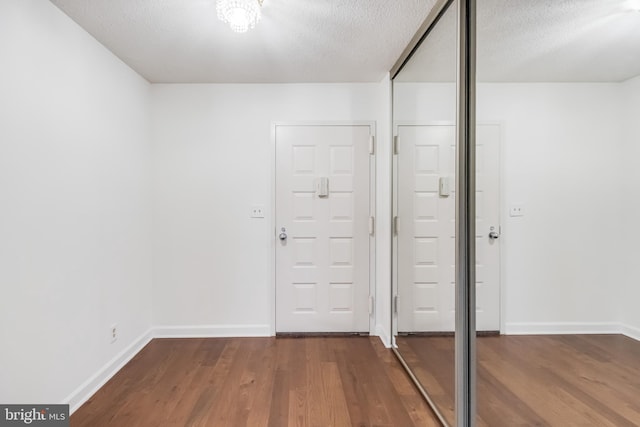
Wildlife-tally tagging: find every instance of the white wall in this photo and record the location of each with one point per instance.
(630, 297)
(561, 155)
(383, 213)
(74, 205)
(212, 162)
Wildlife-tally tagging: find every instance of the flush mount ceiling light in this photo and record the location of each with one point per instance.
(241, 15)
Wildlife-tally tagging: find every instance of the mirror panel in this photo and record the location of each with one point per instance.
(554, 79)
(558, 138)
(424, 114)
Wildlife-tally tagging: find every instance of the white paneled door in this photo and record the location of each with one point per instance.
(322, 228)
(426, 228)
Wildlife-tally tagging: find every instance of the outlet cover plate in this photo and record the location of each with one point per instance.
(516, 210)
(114, 333)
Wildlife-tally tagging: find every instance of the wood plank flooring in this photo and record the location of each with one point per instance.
(558, 380)
(278, 382)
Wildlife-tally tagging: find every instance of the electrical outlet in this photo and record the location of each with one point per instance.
(516, 210)
(114, 333)
(257, 211)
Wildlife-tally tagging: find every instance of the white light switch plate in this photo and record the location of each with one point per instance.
(257, 211)
(516, 210)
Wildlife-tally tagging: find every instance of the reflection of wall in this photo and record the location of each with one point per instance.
(631, 203)
(562, 155)
(563, 149)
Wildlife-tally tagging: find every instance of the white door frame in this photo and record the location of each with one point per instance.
(394, 211)
(372, 212)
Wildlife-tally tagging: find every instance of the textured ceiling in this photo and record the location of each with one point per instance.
(539, 41)
(182, 41)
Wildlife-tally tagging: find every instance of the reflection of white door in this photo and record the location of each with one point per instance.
(322, 202)
(426, 228)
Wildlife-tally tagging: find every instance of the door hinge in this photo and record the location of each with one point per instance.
(395, 304)
(395, 144)
(372, 226)
(372, 144)
(371, 304)
(395, 225)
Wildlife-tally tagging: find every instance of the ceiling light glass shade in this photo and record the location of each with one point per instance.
(241, 15)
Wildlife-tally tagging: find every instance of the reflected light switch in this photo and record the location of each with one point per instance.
(444, 186)
(257, 211)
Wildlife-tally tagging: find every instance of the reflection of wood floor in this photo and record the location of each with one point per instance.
(559, 380)
(279, 382)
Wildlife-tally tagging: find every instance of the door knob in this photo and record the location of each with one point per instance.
(493, 234)
(283, 235)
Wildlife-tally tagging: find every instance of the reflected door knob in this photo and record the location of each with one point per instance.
(283, 235)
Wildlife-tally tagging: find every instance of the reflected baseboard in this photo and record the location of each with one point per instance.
(546, 328)
(571, 328)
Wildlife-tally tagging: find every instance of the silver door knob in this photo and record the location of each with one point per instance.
(283, 235)
(493, 233)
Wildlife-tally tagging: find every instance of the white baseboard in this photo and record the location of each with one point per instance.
(78, 397)
(384, 335)
(631, 332)
(558, 328)
(94, 383)
(212, 331)
(550, 328)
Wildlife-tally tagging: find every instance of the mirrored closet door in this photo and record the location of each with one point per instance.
(560, 82)
(557, 185)
(424, 172)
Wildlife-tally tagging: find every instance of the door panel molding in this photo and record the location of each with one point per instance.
(371, 125)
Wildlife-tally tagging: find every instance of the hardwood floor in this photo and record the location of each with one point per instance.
(275, 382)
(559, 380)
